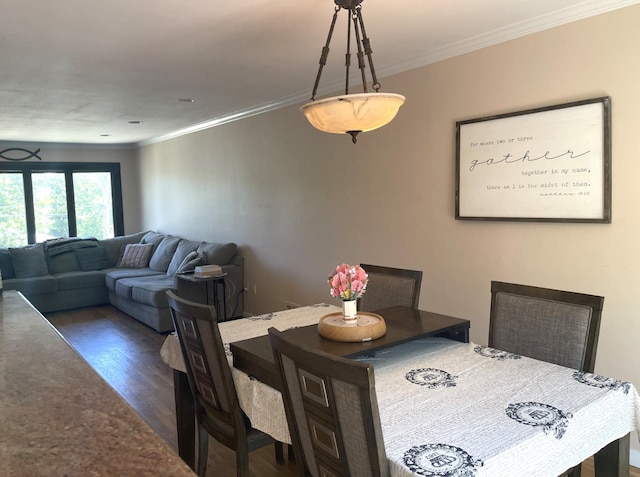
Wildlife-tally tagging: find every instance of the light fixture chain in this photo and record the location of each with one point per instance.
(325, 53)
(361, 64)
(367, 49)
(347, 57)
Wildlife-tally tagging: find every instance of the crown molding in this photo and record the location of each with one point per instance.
(563, 16)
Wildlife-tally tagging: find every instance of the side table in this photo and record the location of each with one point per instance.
(212, 297)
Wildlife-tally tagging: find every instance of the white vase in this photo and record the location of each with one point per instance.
(350, 311)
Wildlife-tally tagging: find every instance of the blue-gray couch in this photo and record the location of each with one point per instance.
(75, 273)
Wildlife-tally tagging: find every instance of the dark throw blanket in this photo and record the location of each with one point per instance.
(64, 244)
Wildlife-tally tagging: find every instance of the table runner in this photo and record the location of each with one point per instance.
(262, 404)
(462, 410)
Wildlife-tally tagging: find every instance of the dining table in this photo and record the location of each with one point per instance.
(249, 354)
(449, 407)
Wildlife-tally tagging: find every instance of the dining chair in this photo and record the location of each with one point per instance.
(218, 412)
(555, 326)
(390, 287)
(332, 411)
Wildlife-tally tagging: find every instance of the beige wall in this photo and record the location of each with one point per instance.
(299, 202)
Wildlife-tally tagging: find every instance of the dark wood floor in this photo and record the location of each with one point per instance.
(126, 354)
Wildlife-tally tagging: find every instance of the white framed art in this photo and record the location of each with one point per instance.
(549, 164)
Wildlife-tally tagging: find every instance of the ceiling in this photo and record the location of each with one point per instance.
(79, 71)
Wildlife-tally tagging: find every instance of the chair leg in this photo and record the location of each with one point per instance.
(575, 471)
(242, 462)
(290, 454)
(203, 451)
(279, 452)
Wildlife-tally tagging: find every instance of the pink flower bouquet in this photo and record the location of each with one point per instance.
(348, 282)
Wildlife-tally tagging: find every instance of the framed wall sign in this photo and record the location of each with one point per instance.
(550, 164)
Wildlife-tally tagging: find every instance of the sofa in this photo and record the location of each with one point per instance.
(130, 272)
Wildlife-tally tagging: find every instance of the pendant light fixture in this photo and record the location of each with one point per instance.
(357, 112)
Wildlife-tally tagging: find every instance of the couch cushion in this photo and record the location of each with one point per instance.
(217, 253)
(115, 246)
(147, 290)
(80, 280)
(6, 266)
(153, 238)
(92, 258)
(64, 262)
(151, 291)
(29, 261)
(124, 286)
(32, 285)
(112, 276)
(136, 255)
(161, 258)
(185, 247)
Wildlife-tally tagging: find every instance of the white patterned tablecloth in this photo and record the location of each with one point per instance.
(461, 410)
(261, 403)
(451, 409)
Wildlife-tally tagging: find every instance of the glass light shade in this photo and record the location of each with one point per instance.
(353, 112)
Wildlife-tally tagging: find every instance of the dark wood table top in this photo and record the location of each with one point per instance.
(190, 277)
(255, 357)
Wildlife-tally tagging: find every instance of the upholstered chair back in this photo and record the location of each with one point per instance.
(390, 287)
(550, 325)
(331, 410)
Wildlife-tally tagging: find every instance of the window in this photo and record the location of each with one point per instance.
(94, 206)
(13, 228)
(43, 201)
(50, 205)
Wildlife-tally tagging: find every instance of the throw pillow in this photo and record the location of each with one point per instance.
(185, 247)
(115, 246)
(29, 261)
(190, 262)
(152, 237)
(92, 258)
(164, 253)
(136, 255)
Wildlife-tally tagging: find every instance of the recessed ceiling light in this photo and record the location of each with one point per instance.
(136, 122)
(186, 100)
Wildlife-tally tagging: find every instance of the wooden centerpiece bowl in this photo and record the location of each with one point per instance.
(368, 326)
